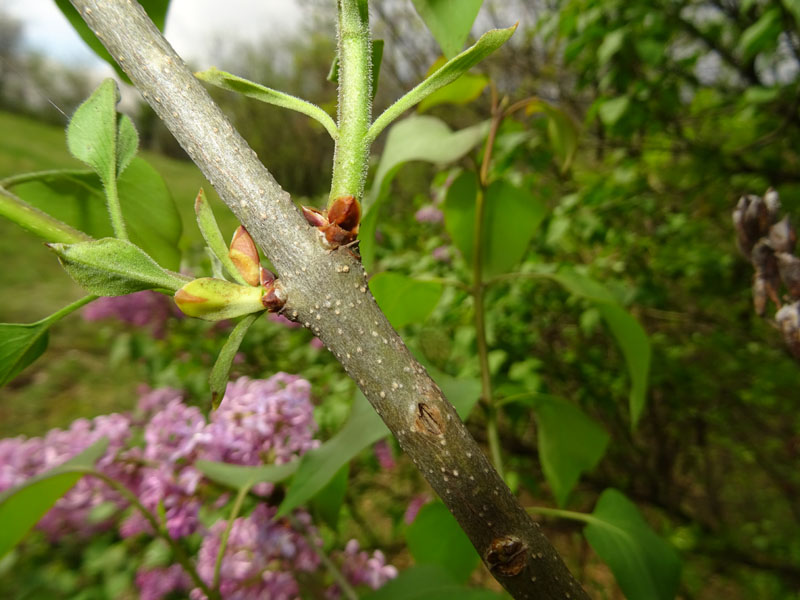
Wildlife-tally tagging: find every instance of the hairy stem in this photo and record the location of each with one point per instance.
(327, 292)
(355, 101)
(38, 222)
(114, 209)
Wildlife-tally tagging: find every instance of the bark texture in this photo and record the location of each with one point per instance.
(327, 292)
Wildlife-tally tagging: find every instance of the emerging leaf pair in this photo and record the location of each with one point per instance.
(215, 298)
(339, 224)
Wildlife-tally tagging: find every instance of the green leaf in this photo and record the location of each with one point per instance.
(155, 9)
(241, 476)
(449, 21)
(423, 138)
(645, 566)
(21, 344)
(435, 537)
(78, 199)
(99, 136)
(611, 111)
(761, 35)
(327, 504)
(569, 441)
(113, 267)
(463, 90)
(628, 333)
(217, 299)
(207, 224)
(612, 43)
(511, 218)
(404, 300)
(317, 467)
(449, 72)
(793, 6)
(429, 582)
(218, 379)
(22, 507)
(233, 83)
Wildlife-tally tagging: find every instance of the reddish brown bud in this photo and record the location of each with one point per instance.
(782, 236)
(506, 555)
(789, 269)
(274, 297)
(336, 236)
(266, 277)
(346, 213)
(244, 255)
(314, 217)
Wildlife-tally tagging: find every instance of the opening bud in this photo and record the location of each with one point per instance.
(216, 299)
(244, 255)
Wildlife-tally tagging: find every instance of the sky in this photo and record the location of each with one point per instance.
(192, 27)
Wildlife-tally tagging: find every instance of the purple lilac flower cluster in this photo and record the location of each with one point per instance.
(258, 422)
(146, 308)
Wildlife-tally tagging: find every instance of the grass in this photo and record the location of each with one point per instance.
(72, 378)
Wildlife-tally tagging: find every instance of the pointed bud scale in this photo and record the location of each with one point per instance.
(346, 213)
(266, 277)
(314, 217)
(216, 299)
(244, 255)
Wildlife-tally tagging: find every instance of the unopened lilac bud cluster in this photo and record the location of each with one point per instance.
(153, 453)
(769, 243)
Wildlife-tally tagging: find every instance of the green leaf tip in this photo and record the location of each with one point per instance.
(233, 83)
(449, 72)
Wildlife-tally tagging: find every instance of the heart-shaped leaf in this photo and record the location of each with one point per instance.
(244, 477)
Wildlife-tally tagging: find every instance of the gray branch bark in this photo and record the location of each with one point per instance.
(328, 293)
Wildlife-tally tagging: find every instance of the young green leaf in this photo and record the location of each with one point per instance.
(99, 136)
(232, 83)
(218, 379)
(238, 477)
(559, 424)
(435, 537)
(216, 299)
(449, 21)
(155, 9)
(77, 198)
(645, 566)
(404, 300)
(463, 90)
(449, 72)
(213, 236)
(113, 267)
(22, 507)
(21, 344)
